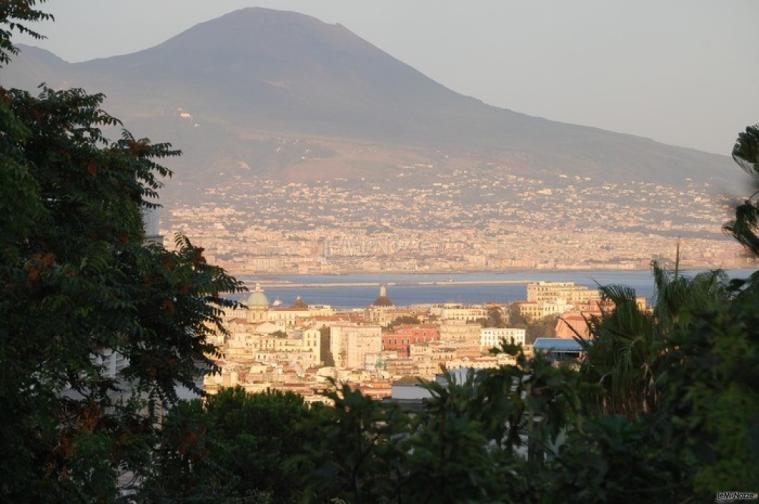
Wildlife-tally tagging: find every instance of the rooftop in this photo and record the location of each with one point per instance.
(557, 344)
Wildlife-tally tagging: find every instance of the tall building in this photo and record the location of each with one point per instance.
(350, 344)
(312, 343)
(558, 292)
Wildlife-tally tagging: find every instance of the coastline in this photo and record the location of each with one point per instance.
(360, 290)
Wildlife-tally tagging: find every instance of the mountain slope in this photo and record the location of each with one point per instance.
(285, 73)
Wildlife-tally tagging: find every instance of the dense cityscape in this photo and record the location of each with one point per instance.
(463, 221)
(383, 350)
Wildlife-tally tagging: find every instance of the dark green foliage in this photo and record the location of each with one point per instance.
(615, 459)
(663, 408)
(710, 389)
(745, 226)
(356, 450)
(682, 374)
(230, 447)
(14, 16)
(627, 352)
(78, 284)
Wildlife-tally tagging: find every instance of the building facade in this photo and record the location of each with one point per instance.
(557, 292)
(350, 344)
(491, 337)
(401, 338)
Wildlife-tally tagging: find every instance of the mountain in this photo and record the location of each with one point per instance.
(307, 149)
(230, 89)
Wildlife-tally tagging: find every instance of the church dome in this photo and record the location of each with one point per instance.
(382, 299)
(257, 298)
(299, 304)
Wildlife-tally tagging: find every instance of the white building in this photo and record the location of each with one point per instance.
(493, 336)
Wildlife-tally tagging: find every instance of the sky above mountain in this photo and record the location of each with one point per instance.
(283, 74)
(681, 72)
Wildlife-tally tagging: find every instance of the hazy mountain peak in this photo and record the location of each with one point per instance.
(40, 54)
(270, 70)
(257, 30)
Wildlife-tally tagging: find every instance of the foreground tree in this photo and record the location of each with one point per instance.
(628, 346)
(745, 226)
(231, 446)
(14, 17)
(79, 289)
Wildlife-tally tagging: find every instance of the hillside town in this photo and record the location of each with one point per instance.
(425, 220)
(384, 347)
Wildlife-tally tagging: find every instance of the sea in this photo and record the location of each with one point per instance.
(410, 288)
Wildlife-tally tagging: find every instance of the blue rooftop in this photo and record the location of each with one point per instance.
(556, 344)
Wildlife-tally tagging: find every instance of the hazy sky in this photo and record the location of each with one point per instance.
(684, 72)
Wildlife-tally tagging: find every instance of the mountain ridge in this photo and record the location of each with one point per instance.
(260, 69)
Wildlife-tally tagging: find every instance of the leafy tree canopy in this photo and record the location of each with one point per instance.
(98, 328)
(14, 16)
(745, 226)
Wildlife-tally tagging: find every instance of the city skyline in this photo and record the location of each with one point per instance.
(379, 347)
